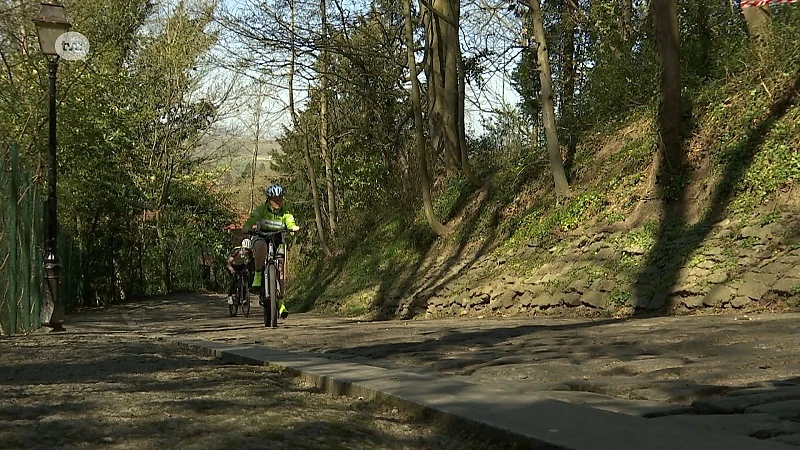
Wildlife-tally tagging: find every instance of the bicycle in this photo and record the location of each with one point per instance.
(242, 297)
(270, 287)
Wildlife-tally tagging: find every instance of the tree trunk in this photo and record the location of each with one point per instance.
(627, 24)
(323, 123)
(548, 107)
(570, 75)
(705, 35)
(665, 21)
(312, 176)
(448, 28)
(416, 103)
(466, 167)
(142, 248)
(255, 158)
(166, 275)
(433, 75)
(758, 19)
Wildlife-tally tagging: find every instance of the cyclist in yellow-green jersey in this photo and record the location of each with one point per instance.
(271, 216)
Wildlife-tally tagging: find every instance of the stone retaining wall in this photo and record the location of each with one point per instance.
(736, 267)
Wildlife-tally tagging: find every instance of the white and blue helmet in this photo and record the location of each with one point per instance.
(276, 190)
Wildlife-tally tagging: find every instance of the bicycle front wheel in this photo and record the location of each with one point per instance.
(272, 285)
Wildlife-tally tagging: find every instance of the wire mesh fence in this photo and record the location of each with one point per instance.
(21, 214)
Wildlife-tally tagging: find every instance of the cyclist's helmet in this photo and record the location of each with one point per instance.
(276, 190)
(247, 243)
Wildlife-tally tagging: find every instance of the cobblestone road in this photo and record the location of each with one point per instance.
(699, 369)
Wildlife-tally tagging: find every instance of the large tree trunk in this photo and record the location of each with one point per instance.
(416, 103)
(312, 176)
(665, 21)
(323, 123)
(548, 107)
(446, 89)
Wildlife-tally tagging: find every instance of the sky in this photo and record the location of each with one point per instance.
(496, 93)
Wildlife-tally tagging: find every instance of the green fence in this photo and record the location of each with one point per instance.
(22, 219)
(21, 214)
(71, 276)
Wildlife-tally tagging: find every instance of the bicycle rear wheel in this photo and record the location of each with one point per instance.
(233, 308)
(272, 272)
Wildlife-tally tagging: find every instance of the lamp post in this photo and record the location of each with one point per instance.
(51, 23)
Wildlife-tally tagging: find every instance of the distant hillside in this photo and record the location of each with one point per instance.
(232, 155)
(235, 153)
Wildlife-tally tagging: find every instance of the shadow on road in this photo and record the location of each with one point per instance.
(92, 391)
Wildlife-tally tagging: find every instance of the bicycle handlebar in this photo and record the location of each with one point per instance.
(262, 232)
(268, 234)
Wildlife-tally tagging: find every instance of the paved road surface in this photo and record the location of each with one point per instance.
(714, 365)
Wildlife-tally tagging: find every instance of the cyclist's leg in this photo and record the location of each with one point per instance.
(238, 269)
(259, 254)
(232, 288)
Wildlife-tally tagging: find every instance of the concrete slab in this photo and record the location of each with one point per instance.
(791, 439)
(740, 403)
(787, 409)
(757, 425)
(540, 421)
(639, 408)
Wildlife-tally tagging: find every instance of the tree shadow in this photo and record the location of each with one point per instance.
(679, 361)
(425, 281)
(483, 343)
(676, 239)
(324, 272)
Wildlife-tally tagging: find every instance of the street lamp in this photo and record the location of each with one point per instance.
(51, 23)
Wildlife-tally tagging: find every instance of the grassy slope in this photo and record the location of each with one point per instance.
(744, 151)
